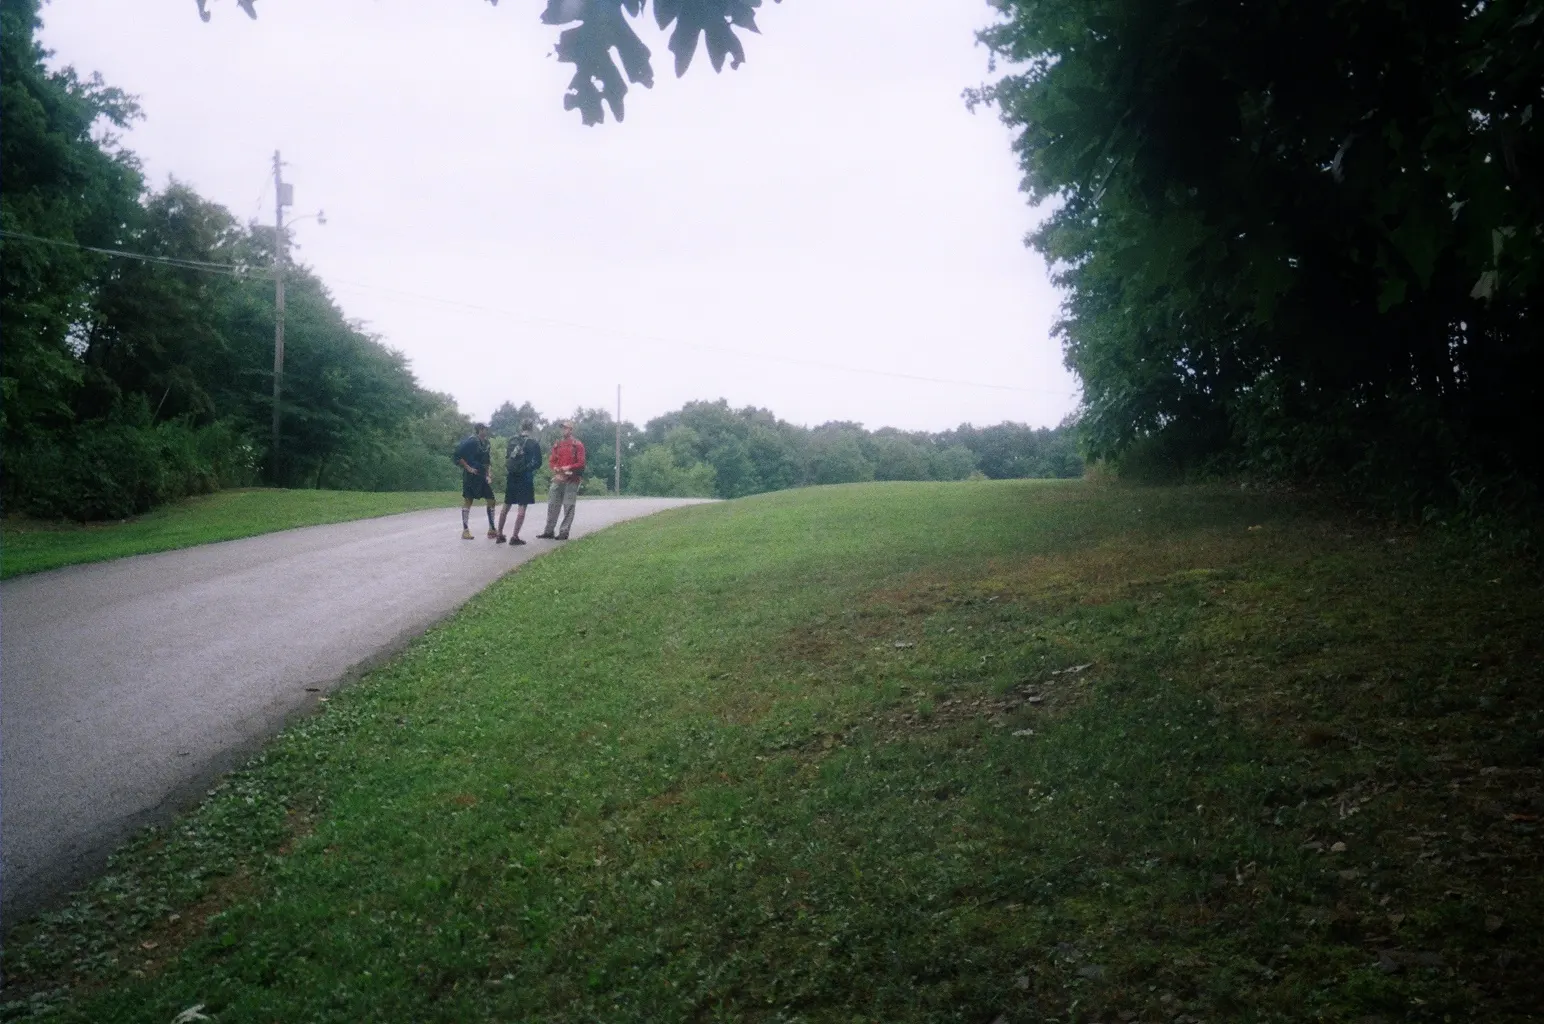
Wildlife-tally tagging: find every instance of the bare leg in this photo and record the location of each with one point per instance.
(519, 520)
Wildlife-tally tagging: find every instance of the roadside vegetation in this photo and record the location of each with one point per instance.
(29, 545)
(1026, 751)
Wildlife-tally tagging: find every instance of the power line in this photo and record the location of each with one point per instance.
(655, 339)
(265, 273)
(230, 269)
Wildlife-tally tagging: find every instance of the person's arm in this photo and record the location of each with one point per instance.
(578, 457)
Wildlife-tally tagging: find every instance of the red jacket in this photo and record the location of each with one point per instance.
(567, 458)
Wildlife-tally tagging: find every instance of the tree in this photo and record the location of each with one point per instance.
(1010, 451)
(506, 419)
(896, 456)
(1305, 240)
(61, 184)
(159, 330)
(128, 382)
(670, 469)
(598, 27)
(835, 455)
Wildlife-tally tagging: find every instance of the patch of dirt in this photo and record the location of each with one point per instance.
(1040, 698)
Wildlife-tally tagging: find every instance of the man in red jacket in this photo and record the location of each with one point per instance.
(567, 462)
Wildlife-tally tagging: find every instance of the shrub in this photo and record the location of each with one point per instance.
(123, 465)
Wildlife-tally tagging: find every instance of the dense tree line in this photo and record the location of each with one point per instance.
(129, 382)
(707, 449)
(1296, 238)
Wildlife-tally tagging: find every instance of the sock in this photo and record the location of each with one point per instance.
(490, 518)
(464, 521)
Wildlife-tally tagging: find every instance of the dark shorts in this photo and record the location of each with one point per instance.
(520, 489)
(475, 488)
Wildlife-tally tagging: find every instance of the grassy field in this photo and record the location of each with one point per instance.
(948, 752)
(32, 546)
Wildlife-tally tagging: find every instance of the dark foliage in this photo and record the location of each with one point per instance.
(127, 383)
(1297, 239)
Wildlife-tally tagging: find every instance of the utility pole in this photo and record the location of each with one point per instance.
(619, 441)
(283, 195)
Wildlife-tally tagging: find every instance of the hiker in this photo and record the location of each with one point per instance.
(522, 454)
(473, 457)
(567, 462)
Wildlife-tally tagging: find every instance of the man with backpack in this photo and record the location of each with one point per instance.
(522, 454)
(567, 462)
(473, 457)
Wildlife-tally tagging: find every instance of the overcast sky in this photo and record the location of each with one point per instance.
(800, 234)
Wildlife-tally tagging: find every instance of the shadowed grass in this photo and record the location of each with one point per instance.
(33, 546)
(892, 752)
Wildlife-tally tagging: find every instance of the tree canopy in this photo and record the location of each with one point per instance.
(1294, 238)
(128, 381)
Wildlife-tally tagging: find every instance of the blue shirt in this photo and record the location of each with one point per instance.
(474, 453)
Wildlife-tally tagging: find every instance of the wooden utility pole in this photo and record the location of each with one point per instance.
(619, 441)
(283, 195)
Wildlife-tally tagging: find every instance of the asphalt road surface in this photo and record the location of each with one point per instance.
(127, 686)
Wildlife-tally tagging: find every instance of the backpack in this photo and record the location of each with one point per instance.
(518, 456)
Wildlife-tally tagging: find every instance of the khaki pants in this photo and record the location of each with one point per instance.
(561, 496)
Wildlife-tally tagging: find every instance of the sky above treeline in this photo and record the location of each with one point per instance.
(826, 232)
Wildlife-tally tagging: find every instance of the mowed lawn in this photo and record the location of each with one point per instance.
(1020, 751)
(32, 546)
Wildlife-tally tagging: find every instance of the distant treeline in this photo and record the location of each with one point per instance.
(707, 449)
(128, 383)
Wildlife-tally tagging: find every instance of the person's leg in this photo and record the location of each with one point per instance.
(519, 521)
(504, 515)
(466, 520)
(554, 506)
(570, 496)
(492, 531)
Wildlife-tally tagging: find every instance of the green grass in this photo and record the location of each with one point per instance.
(944, 752)
(33, 546)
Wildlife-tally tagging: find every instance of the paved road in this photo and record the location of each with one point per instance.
(126, 686)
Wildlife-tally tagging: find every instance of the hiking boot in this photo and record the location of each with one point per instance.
(466, 534)
(515, 540)
(492, 533)
(545, 536)
(501, 540)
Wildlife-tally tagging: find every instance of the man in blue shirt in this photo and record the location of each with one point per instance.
(476, 478)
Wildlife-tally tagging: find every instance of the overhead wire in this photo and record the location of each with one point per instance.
(262, 193)
(230, 269)
(264, 273)
(722, 350)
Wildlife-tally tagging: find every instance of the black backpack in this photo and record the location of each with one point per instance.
(521, 455)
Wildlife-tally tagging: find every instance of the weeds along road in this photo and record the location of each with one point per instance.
(126, 686)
